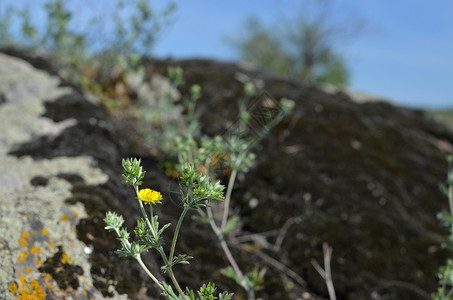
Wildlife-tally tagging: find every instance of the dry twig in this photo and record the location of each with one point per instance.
(326, 273)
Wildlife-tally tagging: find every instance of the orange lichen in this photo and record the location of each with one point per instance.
(13, 288)
(23, 257)
(84, 293)
(35, 250)
(28, 270)
(64, 218)
(45, 232)
(47, 278)
(32, 291)
(23, 239)
(25, 235)
(23, 242)
(27, 289)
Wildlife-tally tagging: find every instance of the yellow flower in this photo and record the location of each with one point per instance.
(149, 196)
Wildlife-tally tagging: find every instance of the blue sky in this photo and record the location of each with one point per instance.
(405, 53)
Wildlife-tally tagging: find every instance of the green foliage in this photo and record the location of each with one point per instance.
(445, 115)
(197, 189)
(133, 173)
(181, 140)
(113, 221)
(240, 158)
(254, 279)
(231, 224)
(175, 76)
(206, 292)
(6, 16)
(206, 190)
(140, 31)
(180, 259)
(302, 47)
(263, 49)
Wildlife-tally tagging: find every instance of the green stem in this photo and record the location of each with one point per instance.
(175, 236)
(226, 205)
(171, 273)
(169, 261)
(138, 258)
(162, 253)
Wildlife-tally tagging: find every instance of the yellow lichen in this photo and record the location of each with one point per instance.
(35, 250)
(28, 270)
(65, 259)
(23, 257)
(27, 289)
(13, 288)
(23, 242)
(25, 235)
(23, 239)
(64, 218)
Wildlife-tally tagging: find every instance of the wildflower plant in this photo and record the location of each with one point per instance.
(196, 191)
(181, 140)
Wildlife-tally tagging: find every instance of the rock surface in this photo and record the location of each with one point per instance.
(360, 176)
(36, 222)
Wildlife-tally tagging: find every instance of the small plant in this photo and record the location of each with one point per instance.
(445, 274)
(181, 140)
(196, 191)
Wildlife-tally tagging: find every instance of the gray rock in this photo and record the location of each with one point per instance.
(36, 222)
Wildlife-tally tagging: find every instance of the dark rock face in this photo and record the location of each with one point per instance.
(362, 177)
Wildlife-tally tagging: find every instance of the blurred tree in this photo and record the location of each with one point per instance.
(303, 47)
(263, 49)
